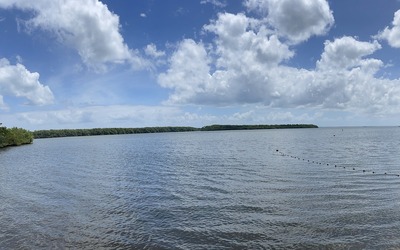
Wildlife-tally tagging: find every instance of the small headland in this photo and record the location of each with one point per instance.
(53, 133)
(14, 137)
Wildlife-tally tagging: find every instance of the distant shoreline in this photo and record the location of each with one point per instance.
(55, 133)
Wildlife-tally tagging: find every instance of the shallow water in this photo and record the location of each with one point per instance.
(204, 190)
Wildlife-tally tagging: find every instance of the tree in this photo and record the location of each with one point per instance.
(14, 136)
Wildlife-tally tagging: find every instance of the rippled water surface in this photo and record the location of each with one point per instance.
(205, 190)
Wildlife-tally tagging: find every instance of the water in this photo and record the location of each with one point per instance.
(204, 190)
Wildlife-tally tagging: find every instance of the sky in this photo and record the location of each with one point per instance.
(114, 63)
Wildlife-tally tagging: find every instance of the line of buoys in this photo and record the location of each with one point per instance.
(327, 164)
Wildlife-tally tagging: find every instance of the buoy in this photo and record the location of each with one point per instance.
(328, 164)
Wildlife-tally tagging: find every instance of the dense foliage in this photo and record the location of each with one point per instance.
(247, 127)
(107, 131)
(114, 131)
(14, 137)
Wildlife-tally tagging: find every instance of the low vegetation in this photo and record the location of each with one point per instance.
(106, 131)
(14, 136)
(115, 131)
(249, 127)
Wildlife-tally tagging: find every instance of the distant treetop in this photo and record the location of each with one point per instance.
(114, 131)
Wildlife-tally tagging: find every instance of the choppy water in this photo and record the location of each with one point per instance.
(204, 190)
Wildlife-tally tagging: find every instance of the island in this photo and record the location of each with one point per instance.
(116, 131)
(217, 127)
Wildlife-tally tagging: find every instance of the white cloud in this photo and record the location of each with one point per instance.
(346, 53)
(238, 34)
(143, 15)
(245, 64)
(3, 106)
(16, 80)
(217, 3)
(88, 27)
(151, 50)
(392, 35)
(296, 20)
(244, 53)
(188, 73)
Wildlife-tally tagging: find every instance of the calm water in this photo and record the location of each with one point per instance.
(205, 190)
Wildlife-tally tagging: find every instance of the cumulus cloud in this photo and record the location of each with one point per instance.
(296, 20)
(151, 50)
(392, 35)
(243, 50)
(346, 53)
(188, 73)
(246, 64)
(16, 80)
(241, 34)
(344, 79)
(88, 27)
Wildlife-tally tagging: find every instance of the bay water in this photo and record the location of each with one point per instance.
(324, 188)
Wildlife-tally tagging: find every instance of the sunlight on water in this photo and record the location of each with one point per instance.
(204, 190)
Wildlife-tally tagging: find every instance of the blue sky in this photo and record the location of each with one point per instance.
(92, 63)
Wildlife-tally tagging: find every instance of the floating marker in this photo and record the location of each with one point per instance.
(319, 163)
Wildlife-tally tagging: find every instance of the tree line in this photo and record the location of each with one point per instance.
(217, 127)
(107, 131)
(116, 131)
(14, 136)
